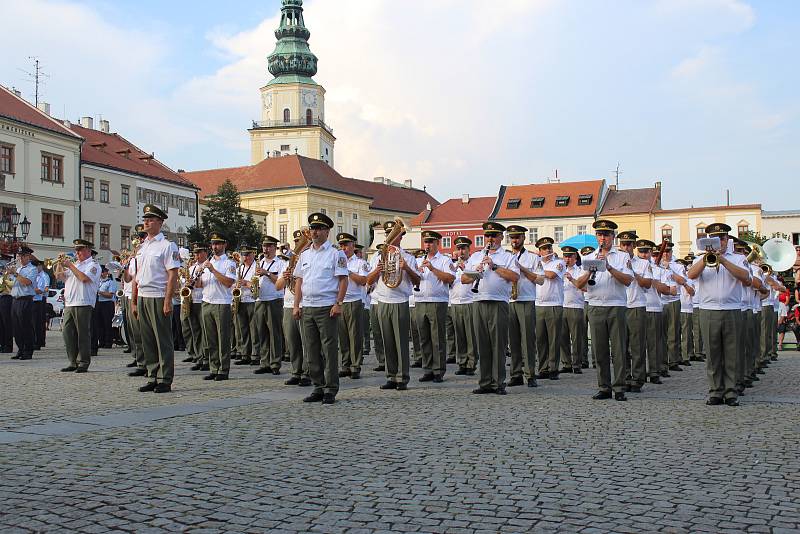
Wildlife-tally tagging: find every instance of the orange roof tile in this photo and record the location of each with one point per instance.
(18, 109)
(455, 210)
(547, 194)
(627, 201)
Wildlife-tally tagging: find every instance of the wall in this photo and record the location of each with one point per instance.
(788, 224)
(177, 223)
(684, 223)
(112, 213)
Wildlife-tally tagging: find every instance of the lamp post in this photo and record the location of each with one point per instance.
(8, 227)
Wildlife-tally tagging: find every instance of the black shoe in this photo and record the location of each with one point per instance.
(355, 375)
(501, 391)
(438, 379)
(461, 371)
(532, 383)
(162, 388)
(212, 376)
(483, 391)
(451, 360)
(686, 363)
(132, 364)
(304, 382)
(276, 372)
(29, 357)
(584, 366)
(620, 396)
(389, 385)
(126, 351)
(379, 368)
(255, 362)
(196, 367)
(416, 365)
(760, 372)
(636, 389)
(755, 379)
(243, 361)
(516, 381)
(328, 398)
(262, 371)
(470, 371)
(553, 375)
(602, 395)
(401, 386)
(543, 375)
(94, 353)
(70, 369)
(664, 373)
(675, 367)
(138, 372)
(427, 377)
(577, 371)
(293, 381)
(731, 402)
(150, 386)
(566, 370)
(286, 358)
(188, 360)
(220, 378)
(626, 387)
(655, 380)
(714, 401)
(344, 373)
(206, 367)
(314, 397)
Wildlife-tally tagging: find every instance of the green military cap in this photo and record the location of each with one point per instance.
(297, 234)
(320, 220)
(690, 256)
(604, 225)
(430, 234)
(359, 247)
(82, 243)
(217, 237)
(493, 228)
(645, 244)
(139, 228)
(269, 240)
(199, 247)
(25, 249)
(569, 250)
(388, 226)
(741, 245)
(683, 261)
(587, 250)
(545, 242)
(416, 252)
(463, 241)
(344, 237)
(247, 249)
(717, 229)
(151, 210)
(284, 257)
(516, 229)
(628, 236)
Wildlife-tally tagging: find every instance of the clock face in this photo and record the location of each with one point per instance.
(310, 99)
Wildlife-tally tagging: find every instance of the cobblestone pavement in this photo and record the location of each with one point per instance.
(88, 453)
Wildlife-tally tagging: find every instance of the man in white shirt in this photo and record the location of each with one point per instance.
(246, 343)
(549, 309)
(81, 280)
(350, 324)
(292, 329)
(769, 316)
(151, 300)
(320, 285)
(636, 314)
(585, 251)
(573, 325)
(130, 268)
(495, 269)
(522, 311)
(672, 309)
(720, 301)
(269, 313)
(193, 317)
(687, 311)
(656, 351)
(461, 310)
(608, 299)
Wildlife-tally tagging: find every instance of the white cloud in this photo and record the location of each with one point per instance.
(717, 16)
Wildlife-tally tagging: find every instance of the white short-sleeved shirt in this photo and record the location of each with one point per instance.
(127, 287)
(677, 268)
(460, 293)
(719, 289)
(431, 289)
(755, 296)
(245, 274)
(197, 292)
(573, 297)
(288, 296)
(526, 290)
(637, 295)
(608, 291)
(214, 291)
(320, 269)
(492, 286)
(266, 288)
(399, 294)
(551, 292)
(686, 298)
(356, 292)
(77, 293)
(157, 256)
(652, 296)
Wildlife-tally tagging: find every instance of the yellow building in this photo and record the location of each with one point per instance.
(684, 225)
(633, 209)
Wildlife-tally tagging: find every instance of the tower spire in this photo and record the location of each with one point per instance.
(292, 59)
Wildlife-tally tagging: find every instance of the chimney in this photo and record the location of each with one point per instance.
(465, 198)
(428, 206)
(105, 127)
(67, 123)
(17, 92)
(407, 183)
(379, 179)
(44, 107)
(658, 185)
(612, 187)
(87, 122)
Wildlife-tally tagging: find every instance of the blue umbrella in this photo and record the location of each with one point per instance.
(579, 241)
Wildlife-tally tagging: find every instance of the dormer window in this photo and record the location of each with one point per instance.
(513, 203)
(537, 202)
(562, 201)
(584, 200)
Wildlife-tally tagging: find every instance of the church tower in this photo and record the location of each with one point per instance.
(292, 103)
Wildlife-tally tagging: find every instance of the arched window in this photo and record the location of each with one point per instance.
(286, 115)
(309, 117)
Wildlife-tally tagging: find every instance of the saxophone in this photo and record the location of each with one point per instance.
(303, 243)
(237, 289)
(186, 291)
(392, 274)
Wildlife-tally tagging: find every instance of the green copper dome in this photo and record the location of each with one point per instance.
(292, 60)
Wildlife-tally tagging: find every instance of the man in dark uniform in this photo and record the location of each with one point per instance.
(6, 328)
(23, 291)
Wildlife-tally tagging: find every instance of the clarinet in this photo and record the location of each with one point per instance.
(478, 281)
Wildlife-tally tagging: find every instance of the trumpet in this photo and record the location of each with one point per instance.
(766, 268)
(51, 263)
(120, 293)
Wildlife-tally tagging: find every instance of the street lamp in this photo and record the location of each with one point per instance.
(25, 228)
(9, 225)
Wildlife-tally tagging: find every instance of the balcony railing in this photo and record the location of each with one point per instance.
(292, 124)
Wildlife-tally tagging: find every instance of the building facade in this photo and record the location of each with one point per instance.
(784, 223)
(685, 225)
(633, 209)
(453, 218)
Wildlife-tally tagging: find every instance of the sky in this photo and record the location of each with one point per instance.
(461, 96)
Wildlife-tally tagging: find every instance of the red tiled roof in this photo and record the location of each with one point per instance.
(113, 151)
(18, 109)
(549, 192)
(298, 171)
(455, 210)
(627, 201)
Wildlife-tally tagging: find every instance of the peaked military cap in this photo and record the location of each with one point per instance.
(200, 247)
(545, 242)
(628, 236)
(269, 240)
(217, 237)
(359, 247)
(82, 243)
(516, 229)
(26, 250)
(94, 253)
(717, 229)
(139, 228)
(320, 219)
(295, 235)
(689, 258)
(284, 257)
(389, 225)
(430, 234)
(246, 248)
(463, 241)
(493, 228)
(604, 225)
(645, 244)
(569, 250)
(587, 250)
(344, 237)
(151, 210)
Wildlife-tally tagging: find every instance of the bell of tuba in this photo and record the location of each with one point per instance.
(303, 243)
(779, 254)
(392, 274)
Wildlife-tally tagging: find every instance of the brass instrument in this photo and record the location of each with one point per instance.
(756, 254)
(767, 268)
(255, 286)
(120, 293)
(303, 243)
(711, 259)
(51, 263)
(7, 279)
(392, 274)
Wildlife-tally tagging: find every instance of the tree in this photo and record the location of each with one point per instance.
(223, 215)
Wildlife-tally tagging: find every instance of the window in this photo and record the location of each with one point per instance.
(105, 233)
(339, 214)
(52, 223)
(513, 203)
(355, 232)
(52, 168)
(355, 216)
(533, 235)
(282, 211)
(701, 231)
(125, 237)
(562, 201)
(282, 233)
(666, 234)
(339, 229)
(323, 211)
(537, 202)
(285, 148)
(581, 229)
(584, 200)
(286, 115)
(743, 228)
(181, 240)
(104, 197)
(181, 206)
(7, 158)
(88, 189)
(479, 241)
(125, 196)
(309, 117)
(6, 210)
(191, 206)
(558, 234)
(446, 243)
(88, 231)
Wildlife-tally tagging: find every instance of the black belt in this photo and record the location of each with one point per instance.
(29, 297)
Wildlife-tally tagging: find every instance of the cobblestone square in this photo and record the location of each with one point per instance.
(88, 453)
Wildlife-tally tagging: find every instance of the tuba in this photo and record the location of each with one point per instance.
(779, 254)
(392, 274)
(303, 243)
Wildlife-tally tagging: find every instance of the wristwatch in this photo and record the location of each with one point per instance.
(494, 267)
(339, 303)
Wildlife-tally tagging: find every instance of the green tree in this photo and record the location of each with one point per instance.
(223, 215)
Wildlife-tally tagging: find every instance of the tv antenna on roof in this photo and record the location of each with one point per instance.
(617, 172)
(37, 76)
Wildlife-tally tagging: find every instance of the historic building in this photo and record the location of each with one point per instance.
(292, 103)
(633, 209)
(684, 225)
(455, 217)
